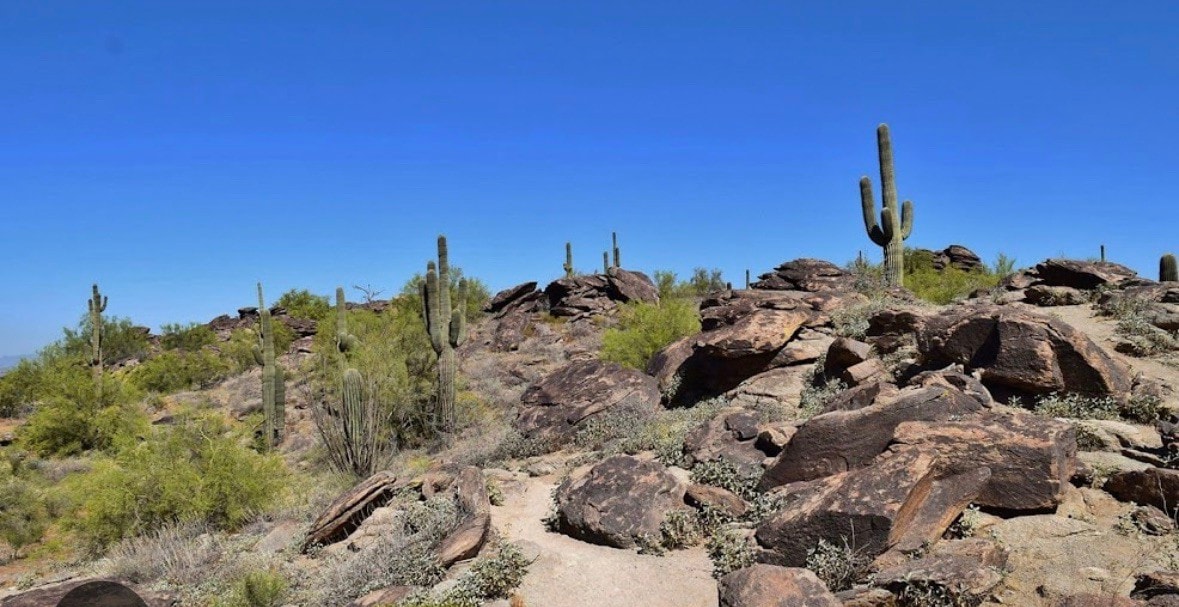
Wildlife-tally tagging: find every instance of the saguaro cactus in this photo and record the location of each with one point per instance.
(447, 327)
(568, 260)
(273, 377)
(97, 305)
(894, 228)
(605, 262)
(345, 342)
(746, 279)
(1168, 271)
(617, 257)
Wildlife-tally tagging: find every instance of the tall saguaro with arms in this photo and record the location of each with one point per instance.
(894, 227)
(447, 327)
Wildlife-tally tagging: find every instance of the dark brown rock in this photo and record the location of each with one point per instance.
(771, 586)
(806, 275)
(474, 506)
(1020, 351)
(965, 570)
(860, 373)
(348, 511)
(508, 297)
(91, 592)
(1083, 274)
(1031, 458)
(863, 395)
(845, 352)
(957, 256)
(1156, 487)
(617, 501)
(892, 503)
(845, 440)
(1047, 295)
(730, 436)
(715, 498)
(757, 335)
(599, 293)
(553, 407)
(1156, 584)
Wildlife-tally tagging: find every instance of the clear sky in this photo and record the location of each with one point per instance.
(177, 152)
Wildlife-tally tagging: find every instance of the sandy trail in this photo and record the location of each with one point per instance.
(571, 573)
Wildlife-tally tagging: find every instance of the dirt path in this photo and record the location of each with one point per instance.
(571, 573)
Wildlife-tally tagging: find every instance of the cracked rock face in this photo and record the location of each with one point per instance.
(618, 501)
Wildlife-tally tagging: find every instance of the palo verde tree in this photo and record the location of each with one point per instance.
(447, 327)
(894, 227)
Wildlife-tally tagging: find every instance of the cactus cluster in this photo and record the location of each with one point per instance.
(568, 260)
(1168, 271)
(447, 327)
(273, 377)
(894, 227)
(97, 305)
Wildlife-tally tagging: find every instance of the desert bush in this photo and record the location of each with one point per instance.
(20, 387)
(257, 588)
(839, 566)
(238, 350)
(702, 282)
(195, 471)
(815, 397)
(630, 428)
(477, 293)
(1077, 406)
(301, 303)
(72, 417)
(681, 529)
(729, 551)
(174, 370)
(121, 340)
(966, 525)
(948, 284)
(488, 579)
(189, 338)
(922, 593)
(1141, 338)
(852, 321)
(403, 557)
(179, 554)
(24, 515)
(644, 329)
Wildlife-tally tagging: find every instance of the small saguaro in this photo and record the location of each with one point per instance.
(1168, 271)
(97, 305)
(273, 377)
(568, 260)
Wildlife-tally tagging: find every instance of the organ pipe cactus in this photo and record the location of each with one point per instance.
(447, 327)
(568, 260)
(273, 377)
(1168, 271)
(97, 305)
(894, 227)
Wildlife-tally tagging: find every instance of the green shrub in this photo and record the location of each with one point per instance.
(645, 329)
(729, 551)
(262, 588)
(839, 566)
(488, 579)
(702, 282)
(189, 338)
(1077, 406)
(20, 387)
(71, 418)
(238, 350)
(194, 471)
(301, 303)
(174, 370)
(681, 529)
(23, 514)
(947, 285)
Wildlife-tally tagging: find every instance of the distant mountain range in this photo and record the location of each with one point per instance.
(8, 362)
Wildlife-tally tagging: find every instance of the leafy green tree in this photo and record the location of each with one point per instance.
(189, 338)
(121, 340)
(706, 281)
(71, 418)
(23, 514)
(301, 303)
(174, 370)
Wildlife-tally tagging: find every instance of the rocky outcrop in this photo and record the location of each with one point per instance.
(1086, 275)
(513, 311)
(1018, 351)
(900, 501)
(1047, 295)
(730, 436)
(598, 293)
(552, 408)
(1031, 458)
(772, 586)
(965, 571)
(348, 511)
(844, 440)
(1157, 588)
(524, 295)
(1158, 487)
(806, 275)
(618, 502)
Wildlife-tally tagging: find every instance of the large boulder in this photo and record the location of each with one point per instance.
(1031, 458)
(902, 501)
(618, 502)
(598, 293)
(764, 585)
(553, 407)
(730, 436)
(806, 275)
(965, 571)
(91, 592)
(474, 506)
(521, 295)
(348, 512)
(844, 440)
(1158, 487)
(1083, 274)
(957, 256)
(1021, 352)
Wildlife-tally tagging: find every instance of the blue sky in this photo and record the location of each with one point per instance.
(177, 152)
